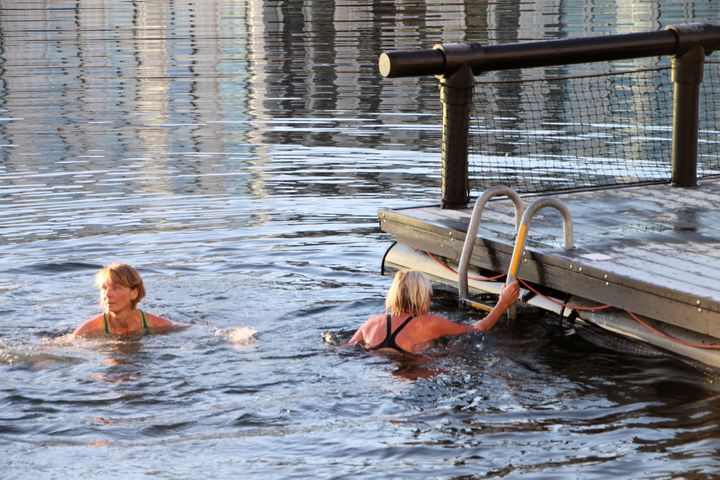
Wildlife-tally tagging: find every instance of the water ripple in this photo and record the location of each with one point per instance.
(237, 154)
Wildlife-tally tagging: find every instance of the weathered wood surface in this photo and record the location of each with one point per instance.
(654, 249)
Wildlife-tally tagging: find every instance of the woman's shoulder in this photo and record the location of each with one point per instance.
(432, 317)
(93, 326)
(157, 322)
(443, 325)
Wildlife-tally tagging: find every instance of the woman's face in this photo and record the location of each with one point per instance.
(116, 297)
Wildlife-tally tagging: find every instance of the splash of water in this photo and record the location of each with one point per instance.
(241, 336)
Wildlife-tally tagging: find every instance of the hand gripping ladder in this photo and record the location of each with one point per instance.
(473, 229)
(519, 249)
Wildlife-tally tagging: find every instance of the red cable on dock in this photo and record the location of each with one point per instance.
(599, 307)
(672, 339)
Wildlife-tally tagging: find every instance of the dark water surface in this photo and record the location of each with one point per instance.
(236, 153)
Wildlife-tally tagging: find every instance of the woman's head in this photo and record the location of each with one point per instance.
(121, 274)
(409, 293)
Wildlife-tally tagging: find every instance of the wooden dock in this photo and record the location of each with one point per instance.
(653, 249)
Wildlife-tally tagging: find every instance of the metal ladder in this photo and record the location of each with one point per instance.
(521, 238)
(473, 227)
(522, 224)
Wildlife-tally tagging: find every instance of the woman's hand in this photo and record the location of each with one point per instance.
(509, 294)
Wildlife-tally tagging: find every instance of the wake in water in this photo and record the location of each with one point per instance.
(35, 357)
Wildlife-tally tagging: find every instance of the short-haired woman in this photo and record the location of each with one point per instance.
(407, 326)
(121, 289)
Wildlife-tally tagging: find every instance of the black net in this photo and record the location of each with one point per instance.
(584, 131)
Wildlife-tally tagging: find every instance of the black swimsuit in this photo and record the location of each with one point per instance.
(389, 341)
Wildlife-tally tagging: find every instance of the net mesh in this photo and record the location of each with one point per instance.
(584, 131)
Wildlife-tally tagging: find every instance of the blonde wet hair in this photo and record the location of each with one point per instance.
(121, 274)
(409, 293)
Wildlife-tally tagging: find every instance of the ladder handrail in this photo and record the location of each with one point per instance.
(473, 227)
(522, 236)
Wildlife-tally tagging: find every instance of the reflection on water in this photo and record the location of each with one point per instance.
(236, 153)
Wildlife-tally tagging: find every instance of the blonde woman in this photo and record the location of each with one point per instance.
(121, 290)
(408, 327)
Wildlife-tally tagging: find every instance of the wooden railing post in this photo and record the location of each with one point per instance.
(456, 91)
(687, 75)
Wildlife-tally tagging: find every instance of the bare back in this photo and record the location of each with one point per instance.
(414, 337)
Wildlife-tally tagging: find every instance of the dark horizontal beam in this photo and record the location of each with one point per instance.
(444, 59)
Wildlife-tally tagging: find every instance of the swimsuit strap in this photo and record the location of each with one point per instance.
(388, 325)
(389, 341)
(107, 324)
(144, 321)
(395, 333)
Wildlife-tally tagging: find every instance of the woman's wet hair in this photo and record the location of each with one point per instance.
(121, 274)
(409, 293)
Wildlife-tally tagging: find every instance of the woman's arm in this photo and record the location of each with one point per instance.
(366, 330)
(508, 296)
(356, 338)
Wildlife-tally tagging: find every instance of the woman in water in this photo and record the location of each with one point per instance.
(408, 327)
(121, 289)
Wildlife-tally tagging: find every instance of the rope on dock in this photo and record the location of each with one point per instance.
(562, 304)
(631, 314)
(575, 307)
